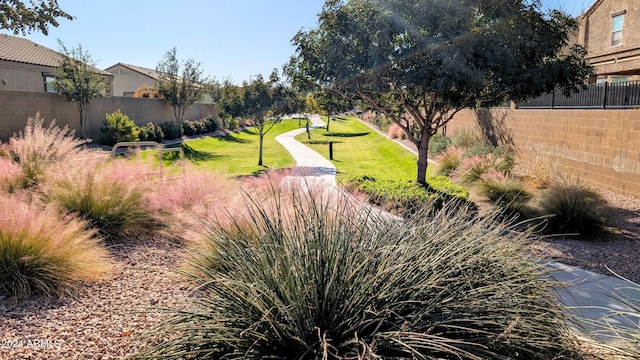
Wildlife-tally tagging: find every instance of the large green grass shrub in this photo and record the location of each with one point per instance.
(44, 253)
(324, 279)
(509, 194)
(571, 207)
(110, 197)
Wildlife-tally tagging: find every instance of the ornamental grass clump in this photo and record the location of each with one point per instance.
(571, 208)
(110, 196)
(39, 148)
(327, 278)
(44, 253)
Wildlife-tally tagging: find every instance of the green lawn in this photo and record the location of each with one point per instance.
(236, 154)
(360, 150)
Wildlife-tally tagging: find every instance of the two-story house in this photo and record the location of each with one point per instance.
(609, 31)
(27, 66)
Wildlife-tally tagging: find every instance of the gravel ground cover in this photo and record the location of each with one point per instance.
(106, 319)
(617, 252)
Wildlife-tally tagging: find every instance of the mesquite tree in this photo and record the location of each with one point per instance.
(22, 18)
(420, 61)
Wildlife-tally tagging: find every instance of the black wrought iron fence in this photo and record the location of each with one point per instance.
(623, 95)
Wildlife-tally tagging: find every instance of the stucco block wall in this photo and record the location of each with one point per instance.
(17, 106)
(601, 147)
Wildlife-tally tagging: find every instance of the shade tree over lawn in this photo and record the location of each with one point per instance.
(419, 62)
(266, 102)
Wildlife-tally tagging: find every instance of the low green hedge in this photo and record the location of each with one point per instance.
(400, 196)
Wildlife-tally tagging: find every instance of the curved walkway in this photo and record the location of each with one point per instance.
(609, 306)
(309, 163)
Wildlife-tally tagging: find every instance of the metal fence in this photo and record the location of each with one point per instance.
(623, 95)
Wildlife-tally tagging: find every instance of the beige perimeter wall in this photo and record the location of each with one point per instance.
(601, 147)
(17, 106)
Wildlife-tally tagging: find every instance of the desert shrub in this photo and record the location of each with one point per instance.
(506, 192)
(396, 132)
(379, 120)
(189, 128)
(172, 130)
(38, 148)
(211, 123)
(437, 144)
(106, 196)
(43, 253)
(471, 169)
(329, 279)
(467, 138)
(151, 132)
(541, 168)
(572, 208)
(449, 160)
(117, 127)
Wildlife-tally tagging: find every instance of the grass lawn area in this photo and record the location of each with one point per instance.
(359, 150)
(236, 154)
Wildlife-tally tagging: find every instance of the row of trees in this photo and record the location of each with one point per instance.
(418, 62)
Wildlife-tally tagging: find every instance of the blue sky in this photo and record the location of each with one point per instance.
(234, 39)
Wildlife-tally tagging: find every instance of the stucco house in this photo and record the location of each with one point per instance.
(27, 66)
(608, 30)
(128, 78)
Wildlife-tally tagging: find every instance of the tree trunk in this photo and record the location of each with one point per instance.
(423, 155)
(328, 120)
(260, 151)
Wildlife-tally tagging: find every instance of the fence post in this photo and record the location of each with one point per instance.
(604, 95)
(330, 150)
(553, 98)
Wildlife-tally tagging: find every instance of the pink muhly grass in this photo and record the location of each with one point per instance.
(396, 132)
(38, 148)
(45, 253)
(449, 160)
(10, 175)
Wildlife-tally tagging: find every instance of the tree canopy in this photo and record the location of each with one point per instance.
(78, 81)
(181, 85)
(420, 61)
(266, 102)
(21, 18)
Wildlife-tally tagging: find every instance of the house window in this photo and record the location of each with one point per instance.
(49, 82)
(619, 79)
(618, 24)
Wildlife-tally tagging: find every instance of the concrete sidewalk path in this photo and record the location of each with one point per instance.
(314, 167)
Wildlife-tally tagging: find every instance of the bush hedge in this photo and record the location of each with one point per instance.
(118, 127)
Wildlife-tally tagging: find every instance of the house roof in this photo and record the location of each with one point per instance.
(139, 69)
(21, 50)
(591, 9)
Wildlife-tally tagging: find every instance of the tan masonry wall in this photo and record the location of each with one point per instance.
(17, 106)
(601, 147)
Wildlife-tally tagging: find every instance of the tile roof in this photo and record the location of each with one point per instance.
(17, 49)
(144, 71)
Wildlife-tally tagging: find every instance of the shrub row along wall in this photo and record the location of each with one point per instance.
(601, 147)
(17, 106)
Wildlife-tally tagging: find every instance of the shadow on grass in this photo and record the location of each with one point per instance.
(231, 138)
(347, 134)
(321, 142)
(191, 154)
